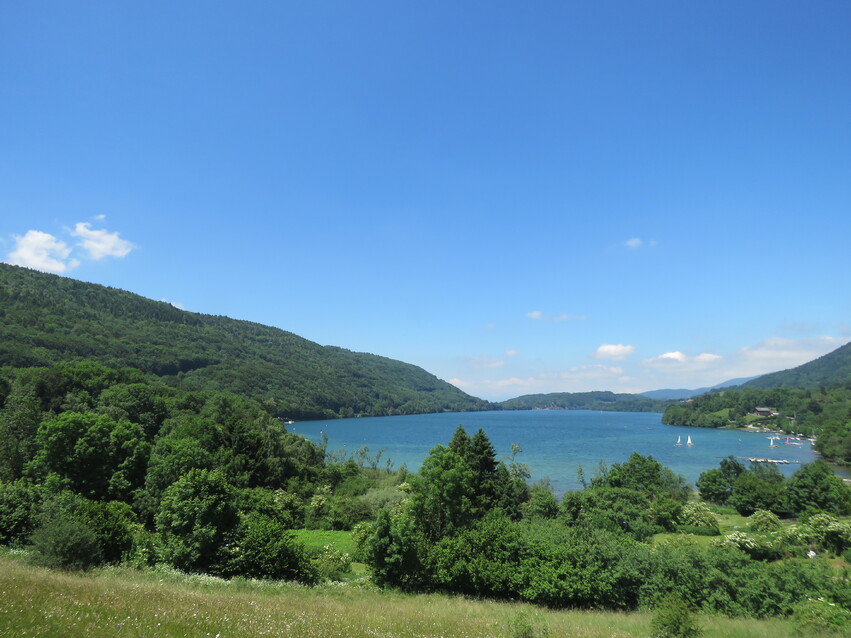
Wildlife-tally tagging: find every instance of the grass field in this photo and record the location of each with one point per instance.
(166, 604)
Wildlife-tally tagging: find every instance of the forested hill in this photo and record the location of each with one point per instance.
(45, 319)
(601, 400)
(834, 367)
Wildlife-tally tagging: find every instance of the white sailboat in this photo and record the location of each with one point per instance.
(688, 441)
(679, 441)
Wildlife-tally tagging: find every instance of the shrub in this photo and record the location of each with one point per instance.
(196, 516)
(331, 563)
(263, 548)
(66, 544)
(819, 616)
(360, 536)
(764, 521)
(673, 619)
(698, 515)
(18, 506)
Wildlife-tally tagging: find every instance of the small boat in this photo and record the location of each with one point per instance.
(679, 441)
(688, 442)
(771, 442)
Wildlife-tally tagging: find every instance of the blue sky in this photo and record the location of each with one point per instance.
(519, 197)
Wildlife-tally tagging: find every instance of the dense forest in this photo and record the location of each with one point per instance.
(601, 400)
(834, 367)
(45, 319)
(102, 466)
(824, 412)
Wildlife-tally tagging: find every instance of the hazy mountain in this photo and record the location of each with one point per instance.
(679, 395)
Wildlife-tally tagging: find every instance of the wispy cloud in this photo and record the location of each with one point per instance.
(101, 243)
(614, 351)
(41, 251)
(574, 379)
(637, 242)
(681, 360)
(511, 353)
(538, 315)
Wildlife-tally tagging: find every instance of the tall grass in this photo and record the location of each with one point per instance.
(121, 602)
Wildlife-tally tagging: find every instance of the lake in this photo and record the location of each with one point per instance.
(555, 442)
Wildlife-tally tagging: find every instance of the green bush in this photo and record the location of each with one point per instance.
(697, 515)
(673, 619)
(331, 563)
(196, 517)
(18, 507)
(66, 544)
(819, 616)
(263, 548)
(764, 521)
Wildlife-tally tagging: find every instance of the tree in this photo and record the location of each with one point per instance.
(195, 520)
(442, 497)
(815, 486)
(95, 456)
(759, 488)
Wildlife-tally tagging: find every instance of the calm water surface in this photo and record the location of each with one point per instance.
(555, 442)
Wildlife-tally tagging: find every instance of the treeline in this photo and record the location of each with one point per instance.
(103, 465)
(45, 319)
(599, 400)
(824, 412)
(465, 529)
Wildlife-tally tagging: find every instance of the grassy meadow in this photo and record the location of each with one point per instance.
(166, 603)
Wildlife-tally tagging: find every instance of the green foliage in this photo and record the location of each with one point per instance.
(716, 485)
(762, 487)
(66, 544)
(764, 521)
(261, 547)
(673, 619)
(47, 319)
(698, 515)
(644, 474)
(442, 497)
(19, 504)
(195, 520)
(598, 400)
(95, 456)
(817, 616)
(816, 485)
(332, 564)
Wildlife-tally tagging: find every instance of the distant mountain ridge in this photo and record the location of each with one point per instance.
(45, 319)
(833, 367)
(598, 400)
(679, 395)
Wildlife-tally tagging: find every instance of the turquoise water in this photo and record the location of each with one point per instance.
(554, 442)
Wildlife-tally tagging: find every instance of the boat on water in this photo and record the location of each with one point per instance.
(679, 441)
(688, 441)
(771, 442)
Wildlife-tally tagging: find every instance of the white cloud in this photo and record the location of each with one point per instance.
(482, 362)
(635, 242)
(575, 379)
(101, 243)
(538, 315)
(777, 353)
(614, 351)
(100, 218)
(706, 357)
(511, 353)
(41, 251)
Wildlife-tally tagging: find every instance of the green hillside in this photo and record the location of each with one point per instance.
(45, 319)
(834, 367)
(601, 400)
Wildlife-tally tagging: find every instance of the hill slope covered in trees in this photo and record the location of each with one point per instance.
(834, 367)
(45, 319)
(599, 400)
